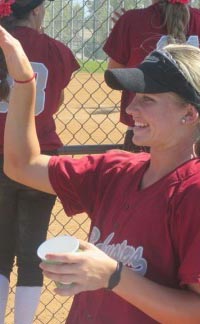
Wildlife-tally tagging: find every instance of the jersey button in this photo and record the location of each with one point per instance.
(89, 316)
(126, 206)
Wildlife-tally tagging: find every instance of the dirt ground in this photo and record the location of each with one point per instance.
(89, 116)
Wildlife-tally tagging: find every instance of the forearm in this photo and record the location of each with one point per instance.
(163, 304)
(22, 159)
(21, 143)
(20, 140)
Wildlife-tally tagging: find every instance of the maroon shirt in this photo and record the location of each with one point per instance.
(54, 64)
(134, 36)
(154, 231)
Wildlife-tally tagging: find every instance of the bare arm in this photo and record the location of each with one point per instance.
(22, 159)
(117, 14)
(165, 305)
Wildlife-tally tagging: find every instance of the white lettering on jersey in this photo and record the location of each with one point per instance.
(123, 252)
(163, 41)
(41, 82)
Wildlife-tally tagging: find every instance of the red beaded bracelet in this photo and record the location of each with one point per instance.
(26, 81)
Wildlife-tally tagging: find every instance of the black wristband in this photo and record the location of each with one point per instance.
(115, 276)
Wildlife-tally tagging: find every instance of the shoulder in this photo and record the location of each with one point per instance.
(137, 14)
(28, 35)
(120, 155)
(188, 184)
(54, 43)
(115, 160)
(136, 20)
(122, 161)
(195, 12)
(61, 53)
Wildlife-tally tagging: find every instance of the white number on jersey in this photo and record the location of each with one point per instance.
(41, 82)
(163, 41)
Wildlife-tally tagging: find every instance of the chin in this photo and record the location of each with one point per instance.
(140, 143)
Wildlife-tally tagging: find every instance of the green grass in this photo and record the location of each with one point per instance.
(91, 66)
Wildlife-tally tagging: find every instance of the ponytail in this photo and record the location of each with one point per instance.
(4, 85)
(176, 19)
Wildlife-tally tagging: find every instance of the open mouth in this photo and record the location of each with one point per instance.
(140, 125)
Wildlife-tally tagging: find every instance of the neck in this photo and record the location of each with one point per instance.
(163, 162)
(27, 23)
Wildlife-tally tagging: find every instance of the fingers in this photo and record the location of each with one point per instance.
(7, 41)
(67, 275)
(117, 15)
(17, 62)
(84, 245)
(62, 278)
(69, 290)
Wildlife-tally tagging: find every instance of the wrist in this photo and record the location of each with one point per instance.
(115, 276)
(27, 80)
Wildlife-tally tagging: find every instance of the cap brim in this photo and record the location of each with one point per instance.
(133, 80)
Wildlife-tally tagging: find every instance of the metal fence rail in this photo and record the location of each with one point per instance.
(88, 149)
(87, 122)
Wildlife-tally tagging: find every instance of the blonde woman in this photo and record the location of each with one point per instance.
(141, 264)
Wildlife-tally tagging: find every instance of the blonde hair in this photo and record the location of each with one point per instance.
(187, 58)
(176, 19)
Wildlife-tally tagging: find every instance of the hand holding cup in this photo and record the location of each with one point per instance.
(58, 245)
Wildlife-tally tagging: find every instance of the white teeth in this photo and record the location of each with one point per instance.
(138, 124)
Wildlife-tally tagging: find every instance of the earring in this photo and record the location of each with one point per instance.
(183, 120)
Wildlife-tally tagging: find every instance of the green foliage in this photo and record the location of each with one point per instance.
(91, 66)
(85, 25)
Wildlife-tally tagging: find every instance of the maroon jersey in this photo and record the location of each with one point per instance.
(135, 35)
(53, 63)
(154, 231)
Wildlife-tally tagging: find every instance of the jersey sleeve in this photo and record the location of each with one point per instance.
(81, 184)
(186, 235)
(63, 60)
(76, 182)
(117, 45)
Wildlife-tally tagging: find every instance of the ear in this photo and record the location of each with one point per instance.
(35, 11)
(191, 115)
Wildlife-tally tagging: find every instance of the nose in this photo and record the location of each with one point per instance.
(131, 107)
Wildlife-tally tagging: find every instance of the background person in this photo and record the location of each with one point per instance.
(147, 234)
(138, 32)
(24, 212)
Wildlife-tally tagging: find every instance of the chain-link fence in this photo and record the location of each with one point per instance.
(87, 122)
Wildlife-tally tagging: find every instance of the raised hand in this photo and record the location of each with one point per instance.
(116, 15)
(17, 62)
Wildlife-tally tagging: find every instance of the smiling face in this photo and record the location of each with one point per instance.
(157, 119)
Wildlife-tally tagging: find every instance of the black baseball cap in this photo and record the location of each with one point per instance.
(158, 73)
(19, 10)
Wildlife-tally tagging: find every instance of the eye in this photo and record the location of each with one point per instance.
(147, 99)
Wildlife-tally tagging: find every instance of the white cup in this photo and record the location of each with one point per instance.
(59, 244)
